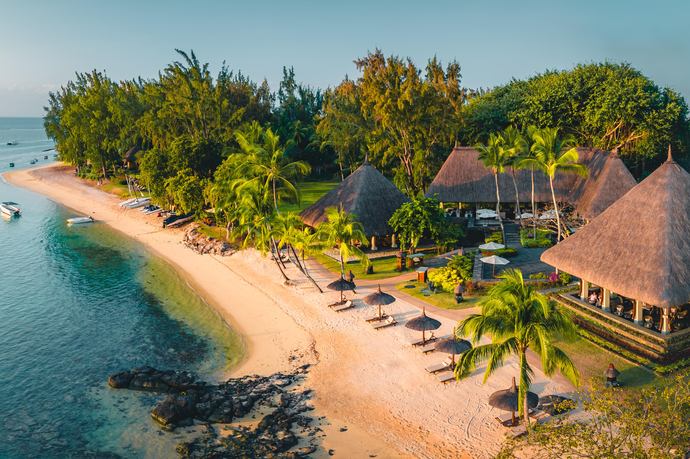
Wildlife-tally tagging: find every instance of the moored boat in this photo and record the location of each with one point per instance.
(79, 220)
(11, 209)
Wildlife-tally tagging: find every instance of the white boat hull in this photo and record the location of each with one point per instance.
(10, 210)
(79, 220)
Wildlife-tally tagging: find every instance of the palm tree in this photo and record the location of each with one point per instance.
(266, 162)
(529, 160)
(515, 145)
(287, 231)
(517, 318)
(495, 156)
(556, 154)
(341, 229)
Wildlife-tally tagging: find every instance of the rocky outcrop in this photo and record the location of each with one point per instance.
(202, 244)
(189, 400)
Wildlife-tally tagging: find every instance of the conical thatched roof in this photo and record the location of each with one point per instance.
(366, 194)
(639, 247)
(464, 178)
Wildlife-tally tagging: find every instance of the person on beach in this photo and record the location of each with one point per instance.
(459, 290)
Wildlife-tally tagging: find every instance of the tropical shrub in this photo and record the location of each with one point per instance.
(528, 240)
(507, 252)
(458, 269)
(496, 237)
(564, 278)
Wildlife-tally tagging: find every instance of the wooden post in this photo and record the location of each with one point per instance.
(373, 243)
(665, 321)
(637, 312)
(606, 299)
(584, 289)
(394, 243)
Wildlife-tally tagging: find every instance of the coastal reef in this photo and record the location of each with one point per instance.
(273, 411)
(203, 244)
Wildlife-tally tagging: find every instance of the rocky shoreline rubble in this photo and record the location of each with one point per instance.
(276, 405)
(202, 244)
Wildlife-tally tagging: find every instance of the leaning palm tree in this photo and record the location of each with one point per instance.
(517, 318)
(516, 146)
(287, 231)
(342, 230)
(529, 159)
(495, 156)
(556, 154)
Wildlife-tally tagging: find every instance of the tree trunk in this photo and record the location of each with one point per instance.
(277, 252)
(306, 273)
(525, 404)
(498, 208)
(517, 198)
(279, 262)
(534, 211)
(555, 208)
(275, 197)
(342, 265)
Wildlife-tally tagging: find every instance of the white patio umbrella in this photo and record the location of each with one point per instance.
(526, 215)
(490, 246)
(494, 260)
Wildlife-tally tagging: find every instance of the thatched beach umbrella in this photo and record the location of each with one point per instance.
(423, 324)
(507, 400)
(341, 285)
(494, 260)
(453, 346)
(379, 298)
(491, 246)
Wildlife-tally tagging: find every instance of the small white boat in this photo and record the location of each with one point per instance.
(79, 220)
(129, 201)
(11, 209)
(138, 202)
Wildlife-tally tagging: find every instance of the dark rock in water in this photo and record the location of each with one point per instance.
(150, 379)
(120, 380)
(174, 410)
(189, 400)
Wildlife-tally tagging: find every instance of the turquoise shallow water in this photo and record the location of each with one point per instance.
(77, 304)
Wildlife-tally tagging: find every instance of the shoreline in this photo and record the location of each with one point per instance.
(370, 385)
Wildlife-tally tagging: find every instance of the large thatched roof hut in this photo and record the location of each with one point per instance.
(638, 248)
(464, 178)
(365, 193)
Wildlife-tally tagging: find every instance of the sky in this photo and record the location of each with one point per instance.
(43, 43)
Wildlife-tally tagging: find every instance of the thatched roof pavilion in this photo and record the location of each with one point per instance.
(638, 247)
(365, 193)
(464, 178)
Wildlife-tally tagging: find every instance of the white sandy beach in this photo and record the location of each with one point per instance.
(371, 382)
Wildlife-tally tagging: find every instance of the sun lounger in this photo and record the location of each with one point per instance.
(446, 377)
(431, 347)
(445, 365)
(338, 303)
(421, 342)
(386, 323)
(518, 431)
(348, 304)
(376, 318)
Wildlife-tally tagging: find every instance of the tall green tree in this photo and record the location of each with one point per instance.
(553, 154)
(342, 231)
(496, 157)
(418, 218)
(516, 146)
(517, 318)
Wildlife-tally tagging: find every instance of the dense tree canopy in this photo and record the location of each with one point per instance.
(406, 119)
(607, 106)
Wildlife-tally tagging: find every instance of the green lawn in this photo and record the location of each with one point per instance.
(383, 267)
(442, 299)
(592, 361)
(217, 232)
(310, 192)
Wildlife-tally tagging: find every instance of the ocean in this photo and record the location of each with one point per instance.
(76, 305)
